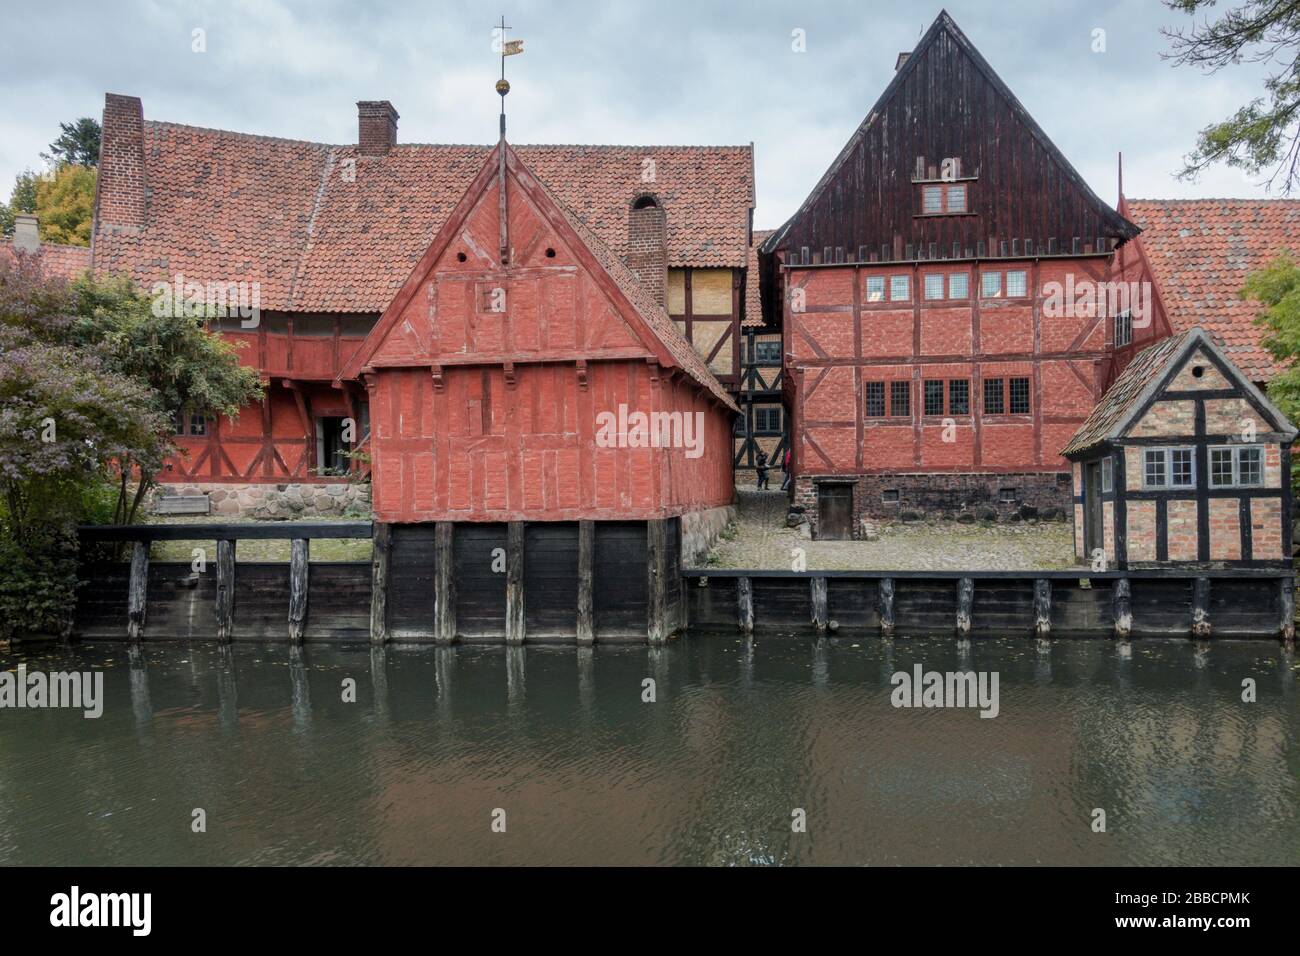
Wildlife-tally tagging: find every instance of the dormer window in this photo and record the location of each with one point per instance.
(943, 199)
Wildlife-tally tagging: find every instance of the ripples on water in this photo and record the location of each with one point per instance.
(740, 736)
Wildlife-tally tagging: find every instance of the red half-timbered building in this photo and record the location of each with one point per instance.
(928, 368)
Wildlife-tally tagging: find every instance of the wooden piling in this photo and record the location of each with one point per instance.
(444, 583)
(225, 597)
(381, 542)
(745, 604)
(1121, 604)
(886, 607)
(1042, 607)
(137, 591)
(586, 576)
(1286, 618)
(1201, 608)
(297, 589)
(657, 580)
(515, 582)
(965, 601)
(817, 593)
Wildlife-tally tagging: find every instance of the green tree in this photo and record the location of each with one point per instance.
(22, 199)
(77, 143)
(1277, 288)
(1264, 134)
(65, 205)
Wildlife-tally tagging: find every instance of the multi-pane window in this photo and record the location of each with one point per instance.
(937, 199)
(991, 285)
(958, 285)
(1240, 466)
(994, 403)
(1016, 284)
(1168, 468)
(934, 398)
(1107, 475)
(899, 289)
(1123, 329)
(875, 399)
(932, 199)
(187, 424)
(900, 399)
(1019, 388)
(956, 196)
(767, 352)
(875, 288)
(934, 286)
(959, 397)
(767, 419)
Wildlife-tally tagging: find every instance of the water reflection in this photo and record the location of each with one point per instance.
(741, 733)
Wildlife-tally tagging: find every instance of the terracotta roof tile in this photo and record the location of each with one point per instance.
(321, 228)
(56, 260)
(1202, 250)
(753, 301)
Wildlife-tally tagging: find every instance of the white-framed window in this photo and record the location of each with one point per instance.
(899, 289)
(957, 198)
(1123, 328)
(958, 285)
(1168, 468)
(991, 285)
(1107, 475)
(875, 288)
(932, 199)
(1236, 466)
(934, 285)
(1017, 287)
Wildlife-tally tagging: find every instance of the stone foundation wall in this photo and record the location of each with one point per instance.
(700, 531)
(284, 502)
(977, 497)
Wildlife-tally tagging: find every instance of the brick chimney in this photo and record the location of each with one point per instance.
(376, 127)
(647, 245)
(27, 236)
(120, 189)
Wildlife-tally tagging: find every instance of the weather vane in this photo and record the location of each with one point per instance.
(508, 48)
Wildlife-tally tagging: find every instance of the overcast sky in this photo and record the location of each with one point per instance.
(619, 71)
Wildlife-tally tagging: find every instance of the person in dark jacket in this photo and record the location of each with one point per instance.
(760, 465)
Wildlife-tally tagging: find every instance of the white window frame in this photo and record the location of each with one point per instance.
(984, 290)
(1024, 278)
(929, 278)
(1108, 474)
(893, 288)
(875, 297)
(1235, 452)
(962, 277)
(1168, 458)
(1124, 325)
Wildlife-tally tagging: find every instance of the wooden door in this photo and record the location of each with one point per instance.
(835, 512)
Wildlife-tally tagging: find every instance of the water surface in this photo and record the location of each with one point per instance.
(740, 736)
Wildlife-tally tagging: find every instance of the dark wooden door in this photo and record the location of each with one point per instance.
(1092, 523)
(835, 512)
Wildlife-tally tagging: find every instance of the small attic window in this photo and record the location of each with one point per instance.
(645, 202)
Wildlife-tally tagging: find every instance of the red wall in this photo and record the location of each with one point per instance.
(841, 340)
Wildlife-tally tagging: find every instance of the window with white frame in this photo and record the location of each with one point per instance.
(934, 286)
(958, 285)
(1168, 468)
(932, 199)
(1236, 466)
(1016, 284)
(956, 195)
(1123, 329)
(991, 285)
(875, 288)
(899, 289)
(1107, 475)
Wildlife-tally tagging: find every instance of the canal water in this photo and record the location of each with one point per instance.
(443, 747)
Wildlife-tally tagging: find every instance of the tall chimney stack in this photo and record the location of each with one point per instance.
(27, 236)
(376, 127)
(120, 188)
(647, 245)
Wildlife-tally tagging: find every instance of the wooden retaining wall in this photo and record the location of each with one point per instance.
(474, 581)
(1224, 603)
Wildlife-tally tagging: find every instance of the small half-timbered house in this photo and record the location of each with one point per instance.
(1183, 462)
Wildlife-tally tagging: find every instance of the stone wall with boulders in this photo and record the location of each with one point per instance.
(284, 502)
(700, 531)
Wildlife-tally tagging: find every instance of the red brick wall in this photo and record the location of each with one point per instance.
(120, 189)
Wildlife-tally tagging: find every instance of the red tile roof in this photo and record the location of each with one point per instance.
(56, 260)
(1202, 250)
(321, 228)
(753, 302)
